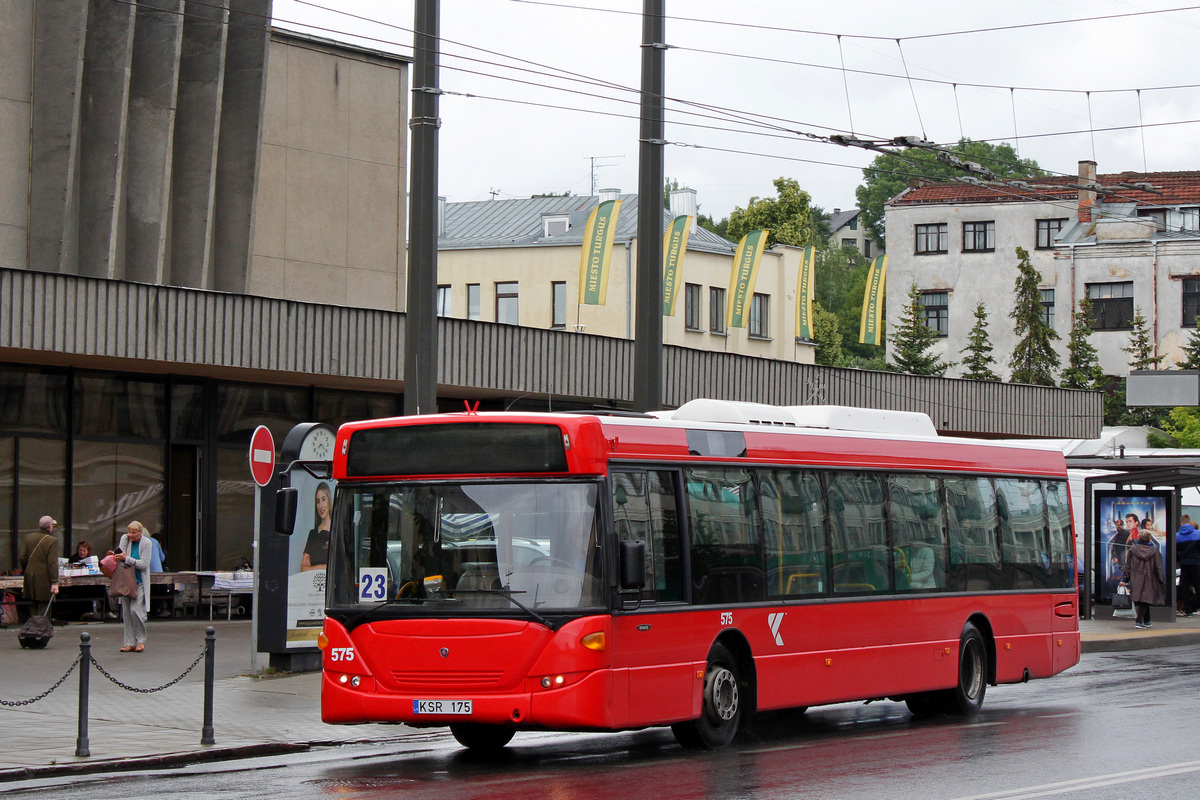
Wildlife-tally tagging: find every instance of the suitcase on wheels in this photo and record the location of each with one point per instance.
(37, 631)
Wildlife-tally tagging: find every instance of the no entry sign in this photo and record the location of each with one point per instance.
(262, 455)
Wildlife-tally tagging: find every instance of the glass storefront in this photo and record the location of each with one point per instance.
(97, 450)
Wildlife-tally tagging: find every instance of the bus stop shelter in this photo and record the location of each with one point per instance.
(1148, 474)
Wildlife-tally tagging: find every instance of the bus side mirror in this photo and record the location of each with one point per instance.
(633, 564)
(287, 500)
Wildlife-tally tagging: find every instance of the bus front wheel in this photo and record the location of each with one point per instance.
(482, 737)
(723, 704)
(967, 697)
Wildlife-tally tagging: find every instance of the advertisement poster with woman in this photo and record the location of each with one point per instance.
(308, 551)
(1120, 517)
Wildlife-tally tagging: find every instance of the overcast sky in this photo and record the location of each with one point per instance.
(781, 65)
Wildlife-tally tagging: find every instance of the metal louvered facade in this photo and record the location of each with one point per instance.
(94, 323)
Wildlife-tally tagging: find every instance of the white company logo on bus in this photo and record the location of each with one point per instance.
(774, 621)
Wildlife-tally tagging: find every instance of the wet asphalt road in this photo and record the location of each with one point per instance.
(1117, 726)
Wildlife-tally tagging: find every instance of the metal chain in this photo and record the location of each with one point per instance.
(167, 685)
(48, 691)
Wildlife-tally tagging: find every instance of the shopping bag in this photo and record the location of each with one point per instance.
(123, 583)
(108, 565)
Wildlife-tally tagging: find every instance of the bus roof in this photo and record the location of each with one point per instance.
(711, 430)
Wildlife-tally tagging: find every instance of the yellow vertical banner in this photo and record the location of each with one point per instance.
(597, 251)
(804, 294)
(745, 273)
(674, 246)
(871, 329)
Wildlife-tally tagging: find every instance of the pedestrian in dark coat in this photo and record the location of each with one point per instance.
(1187, 556)
(39, 566)
(1147, 583)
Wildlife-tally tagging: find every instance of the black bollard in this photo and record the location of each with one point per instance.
(85, 668)
(210, 650)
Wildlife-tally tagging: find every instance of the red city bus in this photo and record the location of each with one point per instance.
(496, 572)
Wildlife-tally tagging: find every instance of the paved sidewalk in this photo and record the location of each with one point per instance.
(252, 715)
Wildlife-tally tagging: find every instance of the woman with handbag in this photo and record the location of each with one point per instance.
(133, 553)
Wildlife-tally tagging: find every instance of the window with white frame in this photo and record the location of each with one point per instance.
(443, 300)
(555, 225)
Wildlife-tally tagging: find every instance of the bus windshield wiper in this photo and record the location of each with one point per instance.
(508, 593)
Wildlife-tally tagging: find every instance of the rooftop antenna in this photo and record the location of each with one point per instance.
(493, 193)
(595, 166)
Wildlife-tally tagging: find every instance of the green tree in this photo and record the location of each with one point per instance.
(1083, 360)
(1183, 425)
(791, 217)
(719, 227)
(912, 340)
(1141, 356)
(890, 173)
(1191, 351)
(839, 282)
(1141, 347)
(978, 352)
(828, 337)
(1034, 358)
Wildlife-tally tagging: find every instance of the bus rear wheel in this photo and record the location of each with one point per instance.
(723, 704)
(482, 737)
(925, 704)
(966, 698)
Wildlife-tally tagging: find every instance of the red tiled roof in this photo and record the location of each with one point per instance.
(1170, 189)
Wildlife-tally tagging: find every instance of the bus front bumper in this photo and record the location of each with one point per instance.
(584, 703)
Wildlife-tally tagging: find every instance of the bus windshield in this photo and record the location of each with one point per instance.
(481, 545)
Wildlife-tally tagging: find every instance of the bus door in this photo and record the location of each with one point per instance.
(651, 667)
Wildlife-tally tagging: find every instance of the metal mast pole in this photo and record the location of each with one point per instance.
(420, 324)
(647, 343)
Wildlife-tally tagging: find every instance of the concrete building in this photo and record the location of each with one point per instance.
(1130, 241)
(849, 232)
(184, 193)
(517, 261)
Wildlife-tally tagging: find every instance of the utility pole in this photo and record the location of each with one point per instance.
(647, 341)
(420, 321)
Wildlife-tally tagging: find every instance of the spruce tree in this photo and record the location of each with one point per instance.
(1141, 348)
(1141, 356)
(912, 340)
(1034, 358)
(978, 352)
(1191, 351)
(1083, 360)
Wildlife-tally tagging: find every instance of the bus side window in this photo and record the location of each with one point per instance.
(645, 508)
(858, 533)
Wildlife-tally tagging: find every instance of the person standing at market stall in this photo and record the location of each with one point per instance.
(135, 551)
(39, 566)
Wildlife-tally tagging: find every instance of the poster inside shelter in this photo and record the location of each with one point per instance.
(1120, 518)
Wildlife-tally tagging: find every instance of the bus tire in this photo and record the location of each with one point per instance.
(475, 736)
(722, 706)
(966, 698)
(925, 704)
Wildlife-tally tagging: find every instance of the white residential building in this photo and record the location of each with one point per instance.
(1129, 241)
